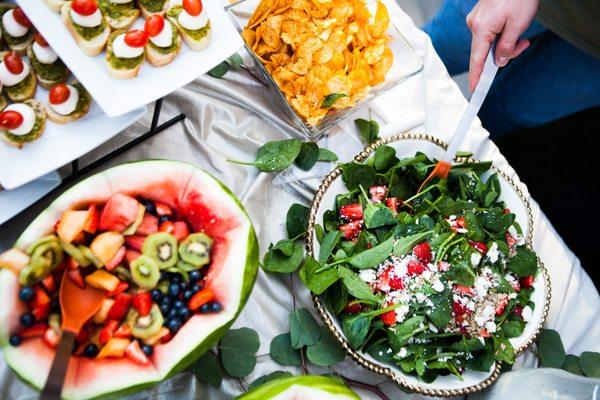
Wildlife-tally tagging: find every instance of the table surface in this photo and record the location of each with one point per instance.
(232, 117)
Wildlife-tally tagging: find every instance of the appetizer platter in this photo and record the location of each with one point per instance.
(436, 288)
(170, 248)
(128, 53)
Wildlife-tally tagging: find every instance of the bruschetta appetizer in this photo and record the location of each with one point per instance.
(67, 102)
(18, 80)
(22, 123)
(125, 53)
(48, 68)
(120, 14)
(192, 22)
(86, 23)
(54, 5)
(164, 42)
(149, 7)
(17, 30)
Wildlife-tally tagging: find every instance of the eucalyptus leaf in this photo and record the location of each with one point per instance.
(206, 368)
(238, 351)
(326, 352)
(589, 361)
(550, 349)
(235, 61)
(282, 352)
(571, 365)
(220, 70)
(304, 330)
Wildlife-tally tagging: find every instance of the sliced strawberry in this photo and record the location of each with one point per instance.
(123, 332)
(40, 297)
(423, 252)
(511, 241)
(527, 282)
(351, 212)
(464, 290)
(134, 353)
(461, 222)
(501, 306)
(167, 227)
(121, 287)
(51, 338)
(75, 276)
(389, 280)
(353, 307)
(148, 226)
(41, 312)
(180, 230)
(35, 330)
(518, 311)
(142, 302)
(49, 283)
(443, 266)
(108, 331)
(163, 209)
(135, 242)
(460, 309)
(393, 203)
(479, 246)
(484, 333)
(121, 307)
(132, 255)
(91, 224)
(116, 260)
(389, 318)
(351, 229)
(377, 193)
(415, 268)
(200, 298)
(516, 286)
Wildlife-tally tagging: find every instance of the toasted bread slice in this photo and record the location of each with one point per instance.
(54, 5)
(17, 44)
(23, 90)
(38, 128)
(119, 16)
(82, 108)
(159, 56)
(47, 74)
(115, 65)
(90, 46)
(196, 40)
(146, 12)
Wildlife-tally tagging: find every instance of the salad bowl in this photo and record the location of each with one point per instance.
(515, 198)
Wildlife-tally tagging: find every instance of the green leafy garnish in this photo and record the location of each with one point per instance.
(332, 98)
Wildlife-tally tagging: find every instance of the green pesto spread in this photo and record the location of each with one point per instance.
(169, 49)
(198, 34)
(116, 10)
(55, 72)
(153, 5)
(89, 33)
(122, 63)
(21, 87)
(84, 99)
(31, 136)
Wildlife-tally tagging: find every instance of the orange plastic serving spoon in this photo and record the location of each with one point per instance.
(77, 306)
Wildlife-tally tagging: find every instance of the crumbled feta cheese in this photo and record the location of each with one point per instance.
(437, 285)
(475, 259)
(492, 253)
(512, 296)
(481, 286)
(401, 312)
(421, 297)
(490, 326)
(402, 353)
(433, 328)
(527, 313)
(368, 275)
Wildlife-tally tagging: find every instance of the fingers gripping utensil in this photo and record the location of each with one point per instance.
(442, 168)
(77, 306)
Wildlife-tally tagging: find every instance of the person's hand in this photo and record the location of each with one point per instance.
(489, 18)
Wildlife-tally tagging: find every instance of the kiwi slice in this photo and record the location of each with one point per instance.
(74, 252)
(162, 247)
(45, 256)
(145, 327)
(46, 239)
(145, 272)
(195, 249)
(183, 266)
(131, 229)
(89, 254)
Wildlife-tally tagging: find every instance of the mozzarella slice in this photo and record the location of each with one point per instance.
(12, 27)
(87, 21)
(45, 55)
(121, 1)
(8, 78)
(28, 118)
(165, 37)
(123, 50)
(69, 105)
(192, 22)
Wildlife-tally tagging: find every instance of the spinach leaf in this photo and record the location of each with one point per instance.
(492, 220)
(369, 130)
(335, 297)
(275, 156)
(398, 337)
(317, 282)
(328, 243)
(475, 229)
(380, 351)
(308, 156)
(523, 263)
(332, 98)
(405, 244)
(356, 329)
(354, 175)
(461, 274)
(356, 286)
(327, 155)
(503, 350)
(373, 256)
(377, 215)
(297, 220)
(384, 158)
(482, 360)
(441, 313)
(512, 329)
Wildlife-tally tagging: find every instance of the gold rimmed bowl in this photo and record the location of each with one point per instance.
(406, 145)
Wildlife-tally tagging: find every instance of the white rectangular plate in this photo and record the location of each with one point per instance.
(116, 96)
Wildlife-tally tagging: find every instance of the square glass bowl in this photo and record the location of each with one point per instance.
(406, 64)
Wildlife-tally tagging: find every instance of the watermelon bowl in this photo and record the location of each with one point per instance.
(515, 199)
(167, 191)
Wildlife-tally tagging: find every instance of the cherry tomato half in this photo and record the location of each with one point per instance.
(20, 17)
(59, 93)
(192, 7)
(154, 25)
(13, 62)
(136, 38)
(10, 119)
(40, 40)
(84, 7)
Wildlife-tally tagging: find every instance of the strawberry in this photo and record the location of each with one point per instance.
(41, 312)
(484, 333)
(108, 331)
(91, 224)
(34, 330)
(75, 276)
(389, 318)
(518, 311)
(479, 246)
(464, 290)
(527, 282)
(132, 255)
(116, 260)
(393, 203)
(72, 264)
(40, 297)
(134, 353)
(501, 306)
(351, 212)
(49, 283)
(180, 230)
(516, 286)
(166, 226)
(51, 338)
(389, 278)
(162, 209)
(148, 226)
(351, 229)
(415, 268)
(461, 222)
(135, 242)
(377, 193)
(506, 211)
(423, 252)
(121, 287)
(120, 308)
(123, 332)
(511, 241)
(460, 309)
(353, 307)
(443, 266)
(142, 302)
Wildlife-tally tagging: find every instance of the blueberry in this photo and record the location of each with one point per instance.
(147, 349)
(149, 206)
(174, 290)
(175, 277)
(164, 309)
(172, 313)
(187, 294)
(196, 287)
(178, 304)
(195, 275)
(15, 340)
(156, 295)
(26, 294)
(215, 306)
(55, 305)
(204, 308)
(27, 319)
(174, 324)
(91, 350)
(163, 218)
(183, 285)
(184, 314)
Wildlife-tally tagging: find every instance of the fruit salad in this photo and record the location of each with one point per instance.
(435, 281)
(144, 258)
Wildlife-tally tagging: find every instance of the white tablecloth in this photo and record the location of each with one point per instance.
(232, 117)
